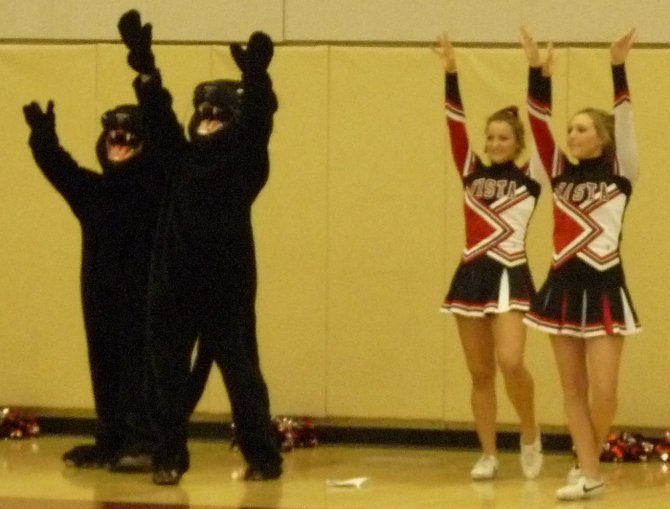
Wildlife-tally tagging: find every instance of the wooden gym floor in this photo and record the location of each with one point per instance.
(32, 476)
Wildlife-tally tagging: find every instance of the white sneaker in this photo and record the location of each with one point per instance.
(485, 468)
(584, 488)
(574, 474)
(531, 458)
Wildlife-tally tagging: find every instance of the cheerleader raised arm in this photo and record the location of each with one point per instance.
(492, 286)
(584, 303)
(624, 133)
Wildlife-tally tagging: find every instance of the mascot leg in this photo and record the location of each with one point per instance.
(228, 340)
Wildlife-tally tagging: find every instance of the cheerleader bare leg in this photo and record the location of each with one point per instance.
(584, 366)
(509, 333)
(478, 346)
(510, 341)
(570, 354)
(603, 356)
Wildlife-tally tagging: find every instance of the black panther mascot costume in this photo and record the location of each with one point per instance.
(203, 273)
(117, 211)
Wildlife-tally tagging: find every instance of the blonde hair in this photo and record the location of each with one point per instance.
(603, 122)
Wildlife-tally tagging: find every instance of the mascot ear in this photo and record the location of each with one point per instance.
(137, 38)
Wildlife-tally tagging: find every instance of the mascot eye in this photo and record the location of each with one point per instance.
(120, 137)
(117, 137)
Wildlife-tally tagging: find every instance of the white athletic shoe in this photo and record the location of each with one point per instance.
(584, 488)
(574, 474)
(485, 468)
(531, 458)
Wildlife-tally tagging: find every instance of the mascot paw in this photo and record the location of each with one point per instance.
(257, 55)
(137, 38)
(88, 456)
(38, 119)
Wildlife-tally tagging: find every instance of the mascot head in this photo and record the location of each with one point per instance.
(218, 106)
(121, 142)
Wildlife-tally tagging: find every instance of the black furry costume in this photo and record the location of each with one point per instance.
(203, 274)
(117, 211)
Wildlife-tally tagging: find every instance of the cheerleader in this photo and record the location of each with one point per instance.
(584, 305)
(492, 286)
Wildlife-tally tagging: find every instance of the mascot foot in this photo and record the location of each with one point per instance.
(169, 467)
(88, 456)
(254, 473)
(130, 463)
(167, 476)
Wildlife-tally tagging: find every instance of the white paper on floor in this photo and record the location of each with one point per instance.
(355, 482)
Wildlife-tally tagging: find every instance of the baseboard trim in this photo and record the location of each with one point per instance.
(342, 431)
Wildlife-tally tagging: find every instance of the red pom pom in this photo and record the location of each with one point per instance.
(15, 424)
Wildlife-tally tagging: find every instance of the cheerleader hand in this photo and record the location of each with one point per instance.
(535, 59)
(620, 48)
(445, 51)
